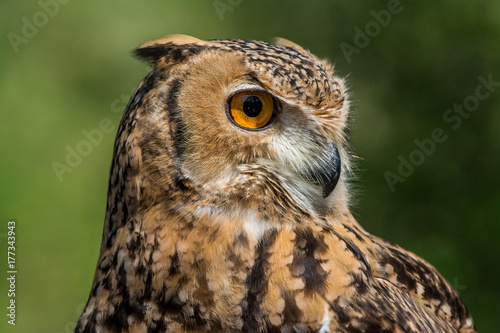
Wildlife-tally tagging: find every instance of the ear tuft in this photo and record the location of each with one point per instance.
(174, 47)
(278, 41)
(176, 39)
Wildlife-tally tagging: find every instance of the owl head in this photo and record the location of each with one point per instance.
(235, 125)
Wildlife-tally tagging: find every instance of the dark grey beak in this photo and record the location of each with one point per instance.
(327, 173)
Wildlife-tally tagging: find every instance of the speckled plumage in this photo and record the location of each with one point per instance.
(214, 228)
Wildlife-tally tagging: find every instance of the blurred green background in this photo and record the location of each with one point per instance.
(64, 67)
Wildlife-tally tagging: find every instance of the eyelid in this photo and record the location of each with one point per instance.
(246, 87)
(252, 88)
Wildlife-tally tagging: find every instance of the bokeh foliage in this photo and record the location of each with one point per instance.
(76, 70)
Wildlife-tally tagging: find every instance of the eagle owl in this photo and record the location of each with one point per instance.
(228, 206)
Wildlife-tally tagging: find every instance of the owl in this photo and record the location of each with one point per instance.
(228, 206)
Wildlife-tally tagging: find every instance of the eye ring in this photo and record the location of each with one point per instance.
(252, 110)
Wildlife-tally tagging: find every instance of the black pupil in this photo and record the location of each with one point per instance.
(252, 106)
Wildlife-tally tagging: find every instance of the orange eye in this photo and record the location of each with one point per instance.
(252, 109)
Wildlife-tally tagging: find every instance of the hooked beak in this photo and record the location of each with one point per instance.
(327, 172)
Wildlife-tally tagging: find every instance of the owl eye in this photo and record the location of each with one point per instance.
(251, 109)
